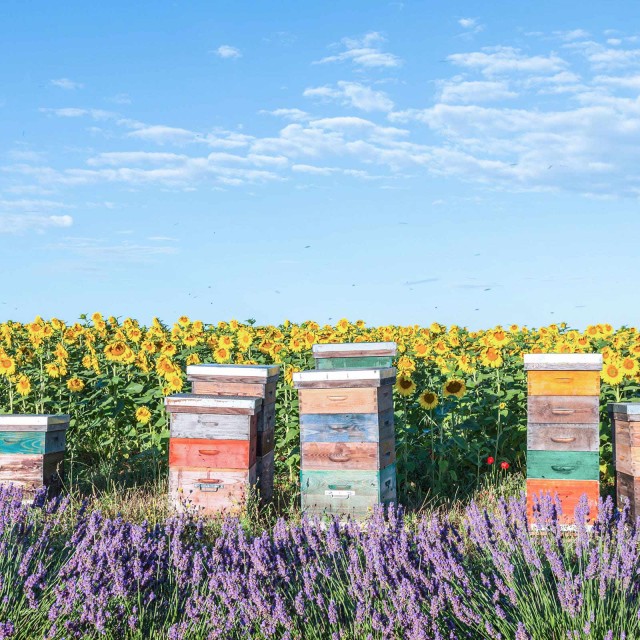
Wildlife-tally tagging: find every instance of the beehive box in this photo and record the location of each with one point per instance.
(563, 430)
(353, 355)
(258, 381)
(347, 440)
(32, 450)
(212, 450)
(625, 423)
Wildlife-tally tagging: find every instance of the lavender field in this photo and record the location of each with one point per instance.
(71, 572)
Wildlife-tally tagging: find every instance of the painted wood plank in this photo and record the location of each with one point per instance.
(265, 442)
(563, 409)
(348, 455)
(564, 437)
(569, 465)
(215, 454)
(213, 427)
(364, 362)
(330, 350)
(563, 383)
(632, 428)
(346, 427)
(355, 492)
(205, 387)
(32, 442)
(563, 361)
(626, 452)
(345, 400)
(192, 403)
(35, 422)
(338, 384)
(628, 486)
(237, 372)
(569, 493)
(30, 470)
(265, 472)
(212, 492)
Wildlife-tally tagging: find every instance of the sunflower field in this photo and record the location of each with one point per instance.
(460, 394)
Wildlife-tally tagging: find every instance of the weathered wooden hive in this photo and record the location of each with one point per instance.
(347, 440)
(563, 438)
(212, 450)
(625, 422)
(258, 381)
(32, 450)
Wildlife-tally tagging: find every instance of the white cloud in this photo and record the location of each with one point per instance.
(364, 52)
(121, 98)
(227, 51)
(492, 61)
(457, 90)
(32, 206)
(74, 112)
(65, 83)
(296, 115)
(353, 94)
(571, 35)
(117, 158)
(99, 250)
(605, 58)
(471, 25)
(161, 134)
(20, 223)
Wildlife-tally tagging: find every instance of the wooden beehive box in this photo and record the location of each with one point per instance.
(212, 450)
(353, 355)
(32, 450)
(563, 430)
(347, 440)
(259, 381)
(625, 424)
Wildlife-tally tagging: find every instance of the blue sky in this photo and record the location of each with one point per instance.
(401, 162)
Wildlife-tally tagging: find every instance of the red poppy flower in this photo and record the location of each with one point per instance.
(504, 465)
(490, 460)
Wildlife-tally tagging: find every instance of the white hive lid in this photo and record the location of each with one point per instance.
(344, 375)
(355, 349)
(625, 408)
(563, 361)
(196, 401)
(36, 421)
(233, 370)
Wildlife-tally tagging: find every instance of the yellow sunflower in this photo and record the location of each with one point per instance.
(23, 386)
(406, 365)
(244, 339)
(612, 374)
(193, 358)
(343, 325)
(75, 384)
(491, 357)
(428, 400)
(143, 415)
(629, 367)
(7, 366)
(405, 386)
(421, 349)
(221, 355)
(454, 387)
(117, 351)
(184, 321)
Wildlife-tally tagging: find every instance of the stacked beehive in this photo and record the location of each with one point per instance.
(346, 430)
(563, 429)
(246, 381)
(212, 450)
(625, 422)
(32, 450)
